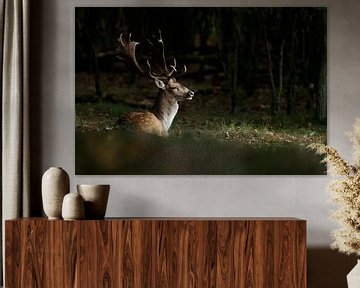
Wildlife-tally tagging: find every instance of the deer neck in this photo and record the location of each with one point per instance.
(165, 108)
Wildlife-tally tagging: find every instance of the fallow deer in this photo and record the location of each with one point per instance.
(159, 119)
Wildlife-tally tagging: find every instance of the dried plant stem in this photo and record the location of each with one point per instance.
(345, 192)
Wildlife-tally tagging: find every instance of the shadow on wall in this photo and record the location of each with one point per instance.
(328, 268)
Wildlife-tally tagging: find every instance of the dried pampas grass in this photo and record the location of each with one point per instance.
(345, 191)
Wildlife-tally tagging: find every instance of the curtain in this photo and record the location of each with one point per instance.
(14, 28)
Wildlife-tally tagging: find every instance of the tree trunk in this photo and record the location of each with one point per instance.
(322, 93)
(292, 77)
(234, 75)
(322, 84)
(229, 52)
(276, 90)
(98, 90)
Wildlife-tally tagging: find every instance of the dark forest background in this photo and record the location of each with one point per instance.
(259, 76)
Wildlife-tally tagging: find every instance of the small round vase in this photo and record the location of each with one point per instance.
(73, 207)
(54, 186)
(96, 198)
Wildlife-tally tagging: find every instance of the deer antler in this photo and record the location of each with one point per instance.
(157, 62)
(157, 67)
(126, 50)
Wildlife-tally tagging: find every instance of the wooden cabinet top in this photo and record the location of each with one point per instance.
(271, 219)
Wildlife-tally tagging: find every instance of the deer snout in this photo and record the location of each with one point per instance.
(190, 95)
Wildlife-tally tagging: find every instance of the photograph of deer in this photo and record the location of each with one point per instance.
(200, 90)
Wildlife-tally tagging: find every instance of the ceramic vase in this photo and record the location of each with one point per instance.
(73, 207)
(54, 186)
(353, 278)
(96, 198)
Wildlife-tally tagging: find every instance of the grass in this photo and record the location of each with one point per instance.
(206, 115)
(245, 130)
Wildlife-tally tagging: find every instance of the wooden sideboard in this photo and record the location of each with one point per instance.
(156, 252)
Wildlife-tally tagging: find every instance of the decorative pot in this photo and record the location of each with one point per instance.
(73, 207)
(353, 278)
(95, 197)
(55, 185)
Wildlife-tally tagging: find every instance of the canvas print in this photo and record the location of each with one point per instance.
(200, 91)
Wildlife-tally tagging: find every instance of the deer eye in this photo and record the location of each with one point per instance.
(174, 88)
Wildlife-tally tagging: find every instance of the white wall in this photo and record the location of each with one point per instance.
(303, 197)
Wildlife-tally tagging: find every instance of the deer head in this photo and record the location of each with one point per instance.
(156, 67)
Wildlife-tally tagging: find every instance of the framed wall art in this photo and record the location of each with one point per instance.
(200, 90)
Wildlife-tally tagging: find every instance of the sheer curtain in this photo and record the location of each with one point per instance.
(14, 27)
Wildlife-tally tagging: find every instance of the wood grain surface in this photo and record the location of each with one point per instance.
(161, 252)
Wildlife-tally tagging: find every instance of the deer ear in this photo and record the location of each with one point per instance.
(160, 84)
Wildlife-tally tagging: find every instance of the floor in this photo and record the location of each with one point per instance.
(328, 268)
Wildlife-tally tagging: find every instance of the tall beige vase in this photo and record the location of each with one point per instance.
(55, 185)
